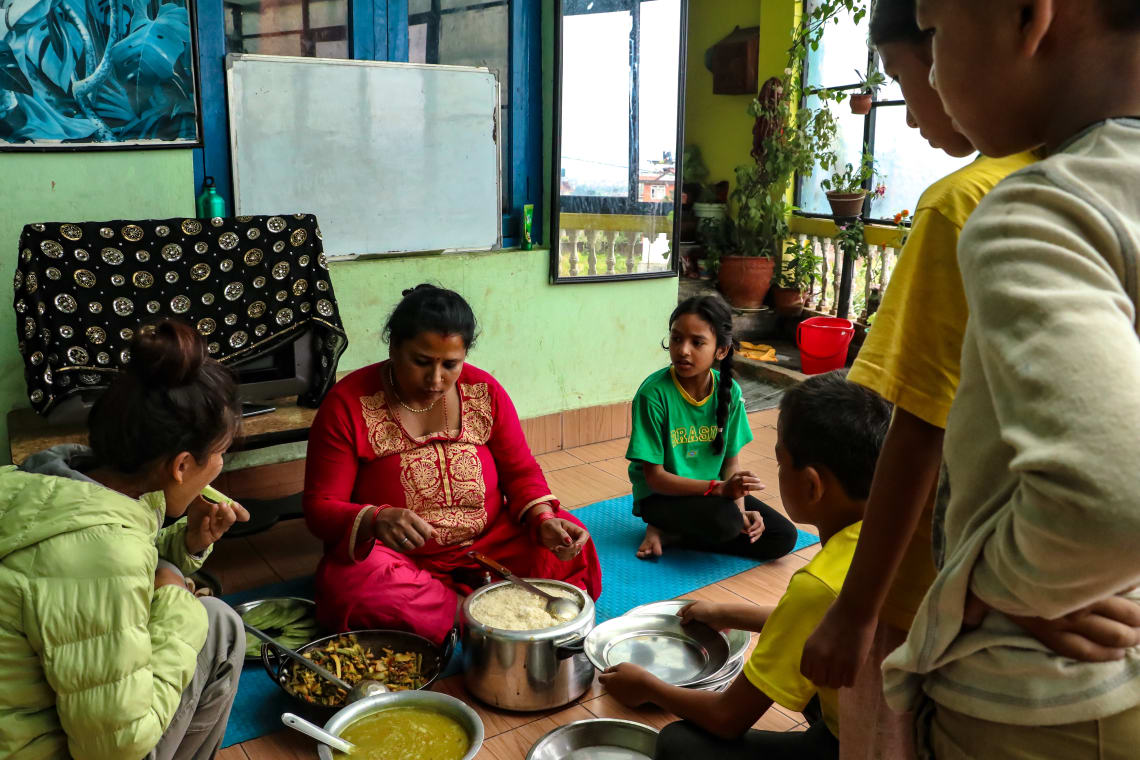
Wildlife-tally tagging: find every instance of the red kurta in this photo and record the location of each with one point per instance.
(473, 489)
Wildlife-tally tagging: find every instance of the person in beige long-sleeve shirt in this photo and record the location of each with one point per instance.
(1038, 513)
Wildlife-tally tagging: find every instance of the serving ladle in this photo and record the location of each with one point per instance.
(357, 691)
(559, 607)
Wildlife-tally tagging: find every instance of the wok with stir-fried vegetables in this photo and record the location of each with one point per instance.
(350, 661)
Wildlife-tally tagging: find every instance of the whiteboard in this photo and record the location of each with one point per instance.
(391, 157)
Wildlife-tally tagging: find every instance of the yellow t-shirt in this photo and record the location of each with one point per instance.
(774, 667)
(912, 354)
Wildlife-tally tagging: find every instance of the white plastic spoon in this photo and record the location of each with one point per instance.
(313, 731)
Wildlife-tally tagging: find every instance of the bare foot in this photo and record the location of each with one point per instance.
(652, 545)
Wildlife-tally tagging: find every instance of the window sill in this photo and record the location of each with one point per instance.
(354, 257)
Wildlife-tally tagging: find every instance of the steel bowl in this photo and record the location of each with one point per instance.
(678, 653)
(244, 607)
(434, 659)
(609, 738)
(428, 700)
(738, 640)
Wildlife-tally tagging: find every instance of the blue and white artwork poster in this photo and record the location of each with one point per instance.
(97, 74)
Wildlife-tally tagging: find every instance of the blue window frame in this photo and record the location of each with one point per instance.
(378, 31)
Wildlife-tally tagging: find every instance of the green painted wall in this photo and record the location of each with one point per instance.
(41, 187)
(553, 347)
(720, 124)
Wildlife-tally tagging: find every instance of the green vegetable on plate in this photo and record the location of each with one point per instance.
(288, 621)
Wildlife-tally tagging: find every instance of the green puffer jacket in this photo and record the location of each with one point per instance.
(93, 659)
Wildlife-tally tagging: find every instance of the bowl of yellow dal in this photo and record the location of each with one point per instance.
(407, 725)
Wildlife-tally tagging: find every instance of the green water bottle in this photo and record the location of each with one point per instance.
(210, 204)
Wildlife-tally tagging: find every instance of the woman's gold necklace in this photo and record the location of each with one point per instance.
(412, 409)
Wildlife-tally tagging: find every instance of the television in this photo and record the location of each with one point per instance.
(286, 371)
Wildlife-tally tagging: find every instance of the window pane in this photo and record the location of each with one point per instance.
(448, 33)
(288, 27)
(908, 161)
(595, 103)
(842, 52)
(660, 43)
(849, 148)
(890, 90)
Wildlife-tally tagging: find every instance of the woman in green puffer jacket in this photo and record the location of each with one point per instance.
(104, 653)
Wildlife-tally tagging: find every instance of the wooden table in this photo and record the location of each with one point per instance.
(28, 432)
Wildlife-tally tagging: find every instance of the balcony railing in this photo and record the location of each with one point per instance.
(612, 243)
(870, 274)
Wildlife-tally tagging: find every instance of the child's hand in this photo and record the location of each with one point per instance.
(206, 522)
(1100, 632)
(709, 613)
(838, 647)
(628, 683)
(753, 525)
(739, 484)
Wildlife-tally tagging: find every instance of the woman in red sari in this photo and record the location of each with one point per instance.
(416, 461)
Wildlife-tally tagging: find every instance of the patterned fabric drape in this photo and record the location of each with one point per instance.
(248, 284)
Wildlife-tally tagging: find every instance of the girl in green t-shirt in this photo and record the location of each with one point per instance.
(689, 426)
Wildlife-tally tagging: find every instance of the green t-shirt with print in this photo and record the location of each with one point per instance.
(673, 429)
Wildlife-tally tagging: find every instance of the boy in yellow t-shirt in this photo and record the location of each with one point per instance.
(827, 442)
(911, 358)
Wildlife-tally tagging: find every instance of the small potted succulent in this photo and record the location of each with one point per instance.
(799, 267)
(845, 189)
(868, 85)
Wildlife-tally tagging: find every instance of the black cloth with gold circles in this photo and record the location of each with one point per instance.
(249, 284)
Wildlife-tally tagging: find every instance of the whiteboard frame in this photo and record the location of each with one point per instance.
(232, 58)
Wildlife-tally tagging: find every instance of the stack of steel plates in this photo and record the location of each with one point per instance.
(737, 645)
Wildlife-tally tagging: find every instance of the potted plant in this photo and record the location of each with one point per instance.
(784, 142)
(844, 187)
(868, 85)
(788, 138)
(718, 237)
(798, 268)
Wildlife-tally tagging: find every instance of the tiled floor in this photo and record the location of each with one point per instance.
(578, 476)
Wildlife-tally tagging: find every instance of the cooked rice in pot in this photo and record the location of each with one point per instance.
(515, 609)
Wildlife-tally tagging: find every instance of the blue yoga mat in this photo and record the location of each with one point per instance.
(626, 583)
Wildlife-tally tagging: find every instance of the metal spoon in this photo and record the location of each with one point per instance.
(360, 690)
(559, 607)
(313, 731)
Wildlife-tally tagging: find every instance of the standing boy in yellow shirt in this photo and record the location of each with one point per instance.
(910, 358)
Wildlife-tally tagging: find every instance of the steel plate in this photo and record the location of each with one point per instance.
(737, 640)
(678, 654)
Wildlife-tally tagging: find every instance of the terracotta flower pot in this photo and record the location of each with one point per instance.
(846, 204)
(861, 103)
(787, 302)
(745, 280)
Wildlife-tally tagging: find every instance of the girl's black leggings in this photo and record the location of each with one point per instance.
(714, 524)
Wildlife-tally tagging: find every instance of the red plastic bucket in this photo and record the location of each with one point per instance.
(823, 343)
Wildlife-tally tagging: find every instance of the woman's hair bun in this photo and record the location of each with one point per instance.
(422, 286)
(169, 353)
